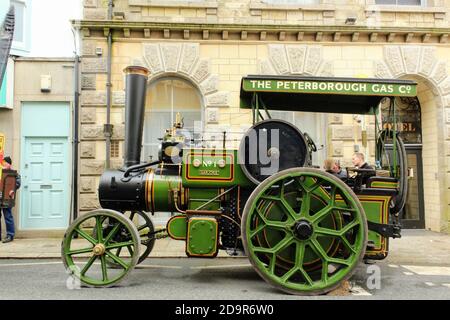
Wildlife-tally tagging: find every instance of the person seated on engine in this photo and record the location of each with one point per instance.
(333, 167)
(359, 162)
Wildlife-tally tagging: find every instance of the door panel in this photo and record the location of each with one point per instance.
(45, 194)
(413, 215)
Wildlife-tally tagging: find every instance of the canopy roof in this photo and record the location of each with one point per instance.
(321, 94)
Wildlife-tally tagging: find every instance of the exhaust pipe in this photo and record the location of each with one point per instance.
(135, 92)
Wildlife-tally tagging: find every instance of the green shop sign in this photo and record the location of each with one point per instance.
(329, 87)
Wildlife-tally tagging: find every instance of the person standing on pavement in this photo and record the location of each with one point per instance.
(7, 212)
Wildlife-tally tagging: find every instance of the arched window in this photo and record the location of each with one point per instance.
(165, 98)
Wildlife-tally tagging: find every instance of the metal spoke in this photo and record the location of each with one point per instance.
(347, 244)
(272, 198)
(321, 214)
(79, 251)
(99, 225)
(306, 204)
(301, 183)
(333, 195)
(339, 261)
(348, 227)
(130, 250)
(315, 186)
(328, 232)
(142, 227)
(88, 264)
(261, 215)
(325, 258)
(299, 254)
(306, 276)
(112, 233)
(282, 189)
(118, 251)
(263, 250)
(117, 259)
(104, 271)
(291, 213)
(257, 230)
(325, 271)
(283, 243)
(85, 236)
(120, 244)
(315, 245)
(289, 274)
(132, 215)
(272, 263)
(276, 225)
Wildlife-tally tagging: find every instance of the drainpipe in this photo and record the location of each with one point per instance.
(76, 139)
(108, 127)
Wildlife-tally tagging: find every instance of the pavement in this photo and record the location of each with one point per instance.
(415, 246)
(418, 267)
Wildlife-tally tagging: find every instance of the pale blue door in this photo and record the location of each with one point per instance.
(45, 166)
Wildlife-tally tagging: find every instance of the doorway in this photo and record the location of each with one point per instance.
(45, 166)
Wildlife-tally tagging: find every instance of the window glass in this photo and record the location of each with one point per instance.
(19, 11)
(292, 1)
(165, 99)
(3, 91)
(407, 118)
(400, 2)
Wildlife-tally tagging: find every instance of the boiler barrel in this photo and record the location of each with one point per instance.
(152, 191)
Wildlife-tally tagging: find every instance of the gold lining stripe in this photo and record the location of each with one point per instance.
(149, 185)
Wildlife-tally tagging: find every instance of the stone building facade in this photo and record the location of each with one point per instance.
(212, 44)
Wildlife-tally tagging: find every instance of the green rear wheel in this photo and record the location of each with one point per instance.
(304, 231)
(145, 228)
(86, 257)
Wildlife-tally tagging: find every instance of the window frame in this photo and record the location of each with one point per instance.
(23, 47)
(423, 4)
(172, 110)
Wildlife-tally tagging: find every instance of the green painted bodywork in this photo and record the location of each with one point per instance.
(202, 237)
(160, 191)
(209, 173)
(377, 210)
(198, 197)
(177, 227)
(384, 184)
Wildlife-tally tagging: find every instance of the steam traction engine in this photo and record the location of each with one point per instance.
(303, 230)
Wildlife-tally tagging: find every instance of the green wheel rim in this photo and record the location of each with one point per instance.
(88, 261)
(304, 231)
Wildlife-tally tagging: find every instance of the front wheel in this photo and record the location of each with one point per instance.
(86, 256)
(304, 231)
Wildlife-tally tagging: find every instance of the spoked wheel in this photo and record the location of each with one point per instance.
(87, 257)
(145, 229)
(304, 231)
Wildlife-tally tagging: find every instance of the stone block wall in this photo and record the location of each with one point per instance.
(322, 12)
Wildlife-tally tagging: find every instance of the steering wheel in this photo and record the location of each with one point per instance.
(310, 142)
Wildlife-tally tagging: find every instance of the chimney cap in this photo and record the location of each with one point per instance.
(137, 70)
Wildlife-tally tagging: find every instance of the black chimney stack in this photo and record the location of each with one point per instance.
(135, 92)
